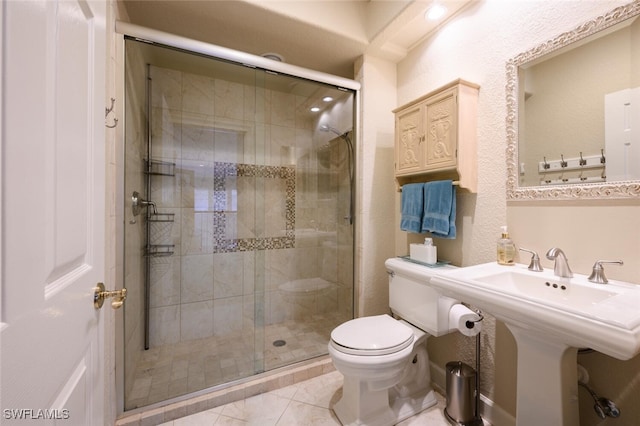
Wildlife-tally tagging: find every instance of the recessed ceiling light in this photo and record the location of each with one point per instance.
(327, 99)
(273, 56)
(314, 109)
(435, 12)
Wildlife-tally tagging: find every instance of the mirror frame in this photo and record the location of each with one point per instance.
(618, 189)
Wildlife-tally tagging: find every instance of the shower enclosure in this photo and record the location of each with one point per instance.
(238, 215)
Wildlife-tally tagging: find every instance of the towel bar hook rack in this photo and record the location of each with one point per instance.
(108, 111)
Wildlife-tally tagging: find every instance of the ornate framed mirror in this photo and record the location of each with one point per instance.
(573, 122)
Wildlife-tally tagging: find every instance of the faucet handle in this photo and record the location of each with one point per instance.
(597, 273)
(534, 265)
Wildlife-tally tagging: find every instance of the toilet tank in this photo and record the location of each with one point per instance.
(414, 300)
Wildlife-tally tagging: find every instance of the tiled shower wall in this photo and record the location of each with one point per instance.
(254, 197)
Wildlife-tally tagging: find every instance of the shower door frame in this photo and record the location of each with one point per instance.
(151, 36)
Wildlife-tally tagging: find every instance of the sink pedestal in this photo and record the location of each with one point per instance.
(547, 380)
(550, 317)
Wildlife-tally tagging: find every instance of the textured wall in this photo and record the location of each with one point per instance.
(475, 46)
(376, 210)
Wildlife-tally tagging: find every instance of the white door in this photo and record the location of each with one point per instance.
(53, 198)
(621, 134)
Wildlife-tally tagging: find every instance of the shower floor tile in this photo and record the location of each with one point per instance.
(173, 370)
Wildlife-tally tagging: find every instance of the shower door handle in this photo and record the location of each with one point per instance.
(138, 203)
(100, 294)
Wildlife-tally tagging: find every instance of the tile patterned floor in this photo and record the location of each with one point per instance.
(303, 404)
(174, 370)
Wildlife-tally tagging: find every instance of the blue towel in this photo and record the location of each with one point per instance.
(412, 207)
(440, 209)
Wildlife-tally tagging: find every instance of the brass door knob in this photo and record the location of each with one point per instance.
(100, 294)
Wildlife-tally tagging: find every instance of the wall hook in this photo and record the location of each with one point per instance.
(546, 165)
(603, 160)
(109, 111)
(563, 163)
(582, 161)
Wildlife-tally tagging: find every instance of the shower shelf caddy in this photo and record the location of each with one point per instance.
(160, 168)
(162, 217)
(160, 250)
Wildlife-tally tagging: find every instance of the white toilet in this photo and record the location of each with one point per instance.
(384, 361)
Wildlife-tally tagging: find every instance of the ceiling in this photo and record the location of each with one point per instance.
(322, 35)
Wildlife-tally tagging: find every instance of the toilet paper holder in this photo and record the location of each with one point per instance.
(465, 320)
(471, 324)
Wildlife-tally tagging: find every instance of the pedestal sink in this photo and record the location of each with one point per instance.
(550, 318)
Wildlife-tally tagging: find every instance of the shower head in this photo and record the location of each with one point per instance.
(327, 128)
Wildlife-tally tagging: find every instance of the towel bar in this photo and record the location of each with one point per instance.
(455, 182)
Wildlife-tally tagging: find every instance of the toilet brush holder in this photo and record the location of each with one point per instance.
(461, 400)
(463, 391)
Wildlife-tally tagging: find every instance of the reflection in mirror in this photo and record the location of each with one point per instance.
(573, 112)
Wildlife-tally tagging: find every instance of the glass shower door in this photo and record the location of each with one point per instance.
(242, 261)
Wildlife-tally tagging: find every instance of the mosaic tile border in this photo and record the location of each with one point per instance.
(221, 171)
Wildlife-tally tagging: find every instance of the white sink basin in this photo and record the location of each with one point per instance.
(550, 290)
(605, 317)
(550, 318)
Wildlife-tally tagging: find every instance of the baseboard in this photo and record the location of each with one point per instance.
(489, 410)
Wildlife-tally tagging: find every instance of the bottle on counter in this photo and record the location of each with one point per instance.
(506, 249)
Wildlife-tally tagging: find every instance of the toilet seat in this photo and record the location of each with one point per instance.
(374, 335)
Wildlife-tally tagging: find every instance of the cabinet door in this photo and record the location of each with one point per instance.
(409, 136)
(440, 126)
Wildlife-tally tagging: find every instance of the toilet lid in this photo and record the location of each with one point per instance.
(375, 335)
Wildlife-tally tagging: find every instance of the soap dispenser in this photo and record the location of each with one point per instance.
(425, 253)
(506, 249)
(432, 251)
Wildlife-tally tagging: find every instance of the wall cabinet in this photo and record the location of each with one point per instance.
(435, 136)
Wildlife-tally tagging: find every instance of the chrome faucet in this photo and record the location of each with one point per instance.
(597, 273)
(561, 266)
(534, 265)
